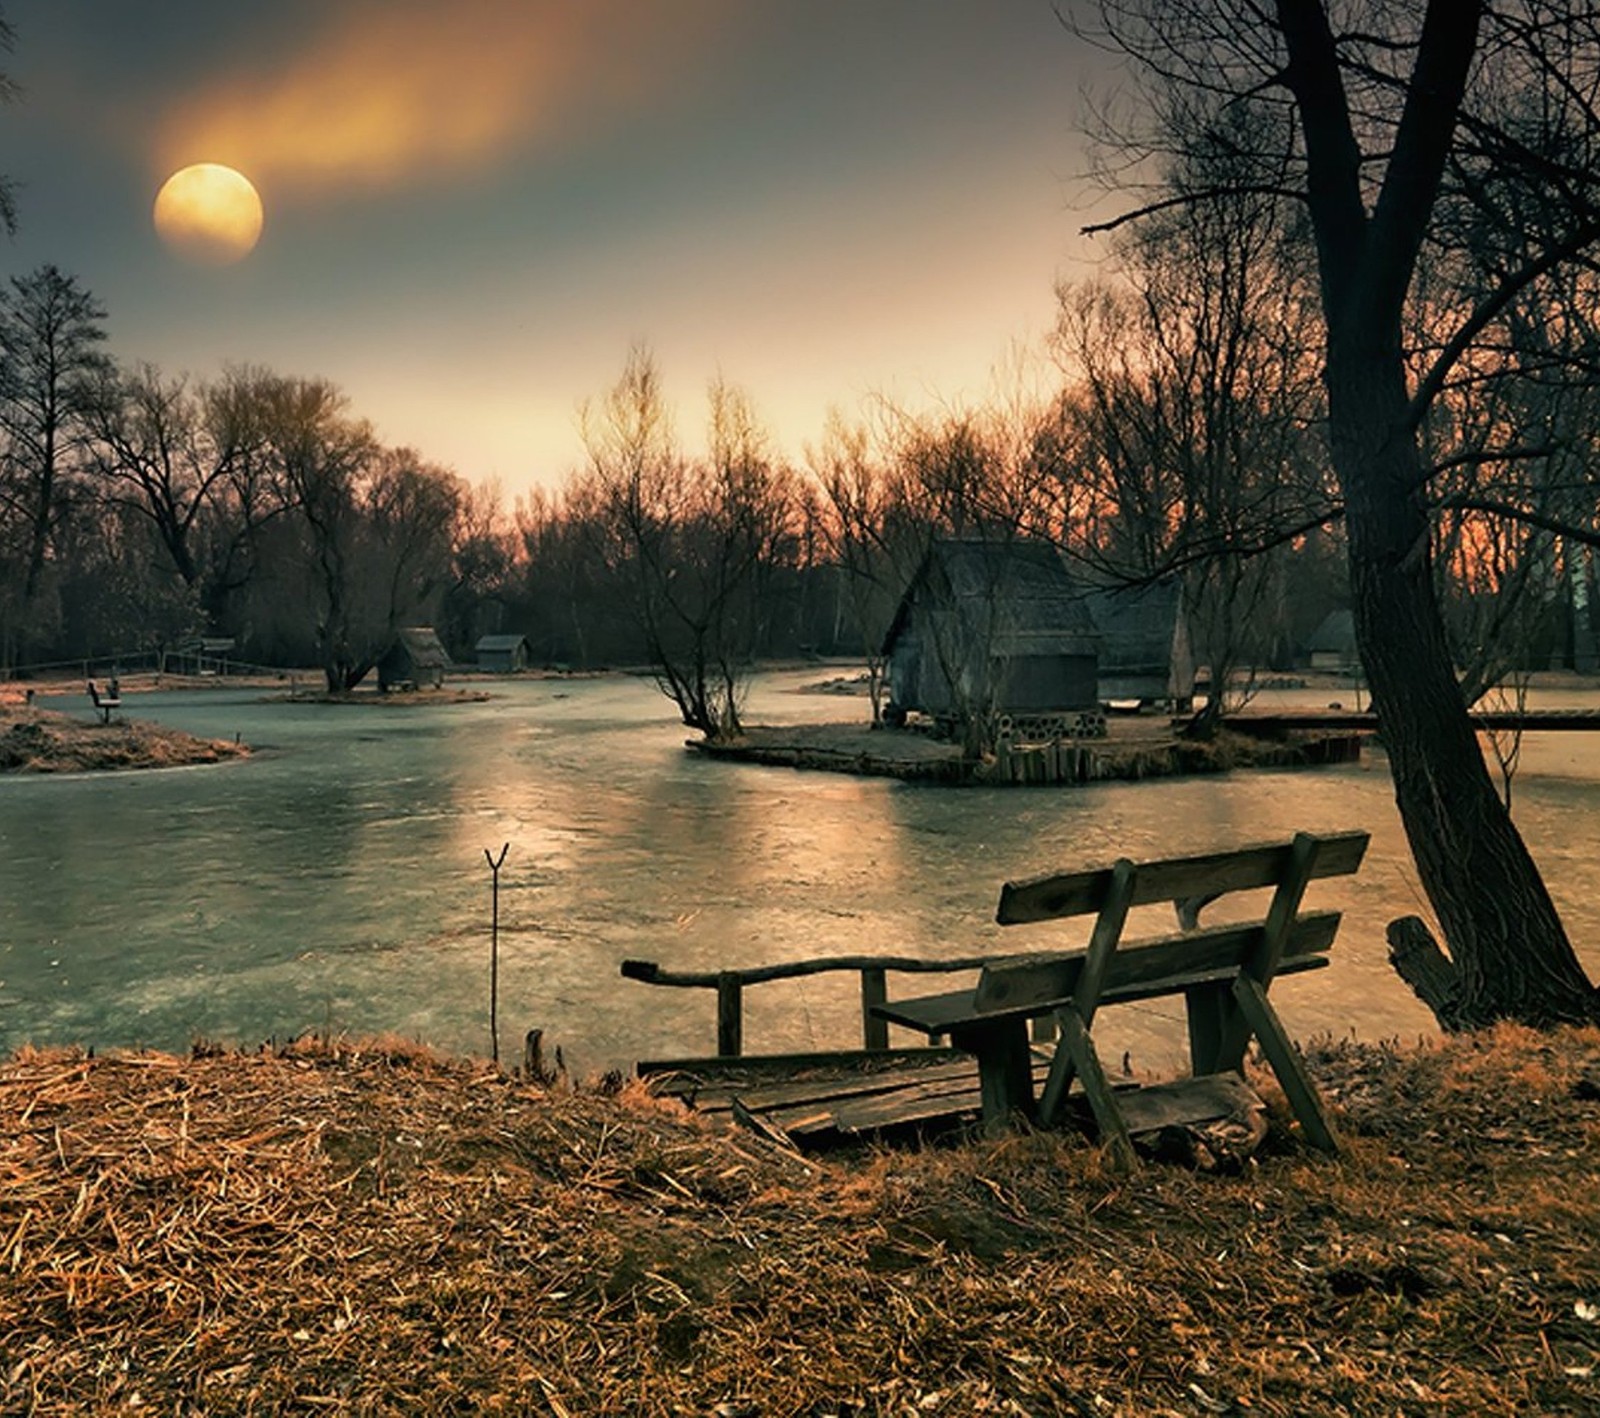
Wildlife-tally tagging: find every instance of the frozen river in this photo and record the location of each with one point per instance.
(336, 881)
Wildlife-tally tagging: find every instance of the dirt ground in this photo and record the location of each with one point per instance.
(373, 1229)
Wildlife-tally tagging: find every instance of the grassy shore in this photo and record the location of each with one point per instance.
(36, 740)
(373, 1229)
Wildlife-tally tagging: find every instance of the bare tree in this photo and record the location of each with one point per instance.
(1372, 117)
(319, 455)
(694, 540)
(51, 332)
(1190, 392)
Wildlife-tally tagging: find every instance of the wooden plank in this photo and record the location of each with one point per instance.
(708, 1068)
(1007, 983)
(1280, 1051)
(1078, 893)
(813, 1090)
(1186, 1102)
(944, 1102)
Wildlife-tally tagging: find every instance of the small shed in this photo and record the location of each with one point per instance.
(503, 654)
(415, 659)
(1333, 645)
(1145, 648)
(205, 654)
(994, 625)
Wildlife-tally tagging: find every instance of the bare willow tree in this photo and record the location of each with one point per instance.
(1380, 120)
(1189, 397)
(695, 539)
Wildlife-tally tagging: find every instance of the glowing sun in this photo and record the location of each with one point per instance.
(209, 213)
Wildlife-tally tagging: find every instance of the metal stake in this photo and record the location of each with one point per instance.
(494, 947)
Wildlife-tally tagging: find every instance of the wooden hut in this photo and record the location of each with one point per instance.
(1333, 645)
(991, 626)
(1146, 652)
(503, 654)
(415, 659)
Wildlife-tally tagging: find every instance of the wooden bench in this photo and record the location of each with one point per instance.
(1223, 973)
(106, 704)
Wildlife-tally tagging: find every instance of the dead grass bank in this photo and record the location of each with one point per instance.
(374, 1229)
(43, 741)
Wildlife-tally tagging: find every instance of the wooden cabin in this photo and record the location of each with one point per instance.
(991, 626)
(503, 654)
(1146, 652)
(1333, 646)
(416, 659)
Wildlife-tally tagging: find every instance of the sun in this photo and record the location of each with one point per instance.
(209, 214)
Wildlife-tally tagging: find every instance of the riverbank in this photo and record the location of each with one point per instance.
(36, 740)
(1134, 748)
(376, 1228)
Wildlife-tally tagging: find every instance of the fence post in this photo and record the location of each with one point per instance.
(730, 1010)
(874, 990)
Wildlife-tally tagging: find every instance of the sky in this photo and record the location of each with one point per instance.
(473, 210)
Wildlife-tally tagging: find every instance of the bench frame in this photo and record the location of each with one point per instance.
(105, 704)
(1223, 973)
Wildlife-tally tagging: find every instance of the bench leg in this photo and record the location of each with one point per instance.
(1208, 1007)
(1076, 1054)
(1005, 1070)
(1276, 1045)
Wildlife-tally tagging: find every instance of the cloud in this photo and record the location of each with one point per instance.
(391, 90)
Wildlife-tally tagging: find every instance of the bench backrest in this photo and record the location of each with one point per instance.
(1082, 893)
(1108, 972)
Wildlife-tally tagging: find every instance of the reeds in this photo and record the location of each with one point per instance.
(372, 1229)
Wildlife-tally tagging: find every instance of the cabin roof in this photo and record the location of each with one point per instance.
(1336, 634)
(500, 642)
(1044, 610)
(421, 646)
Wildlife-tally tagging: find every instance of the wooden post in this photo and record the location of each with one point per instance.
(1207, 1009)
(874, 990)
(730, 1015)
(1005, 1070)
(495, 863)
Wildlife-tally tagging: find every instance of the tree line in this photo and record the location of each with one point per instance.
(1171, 428)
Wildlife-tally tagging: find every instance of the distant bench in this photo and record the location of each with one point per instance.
(1223, 973)
(106, 704)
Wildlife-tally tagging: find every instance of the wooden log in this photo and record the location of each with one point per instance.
(730, 1014)
(1430, 973)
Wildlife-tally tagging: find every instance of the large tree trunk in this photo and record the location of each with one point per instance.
(1510, 951)
(1508, 944)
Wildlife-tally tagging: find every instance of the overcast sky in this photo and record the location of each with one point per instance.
(473, 208)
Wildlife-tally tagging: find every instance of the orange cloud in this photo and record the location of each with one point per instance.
(390, 89)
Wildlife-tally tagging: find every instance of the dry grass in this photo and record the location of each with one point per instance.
(43, 741)
(373, 1229)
